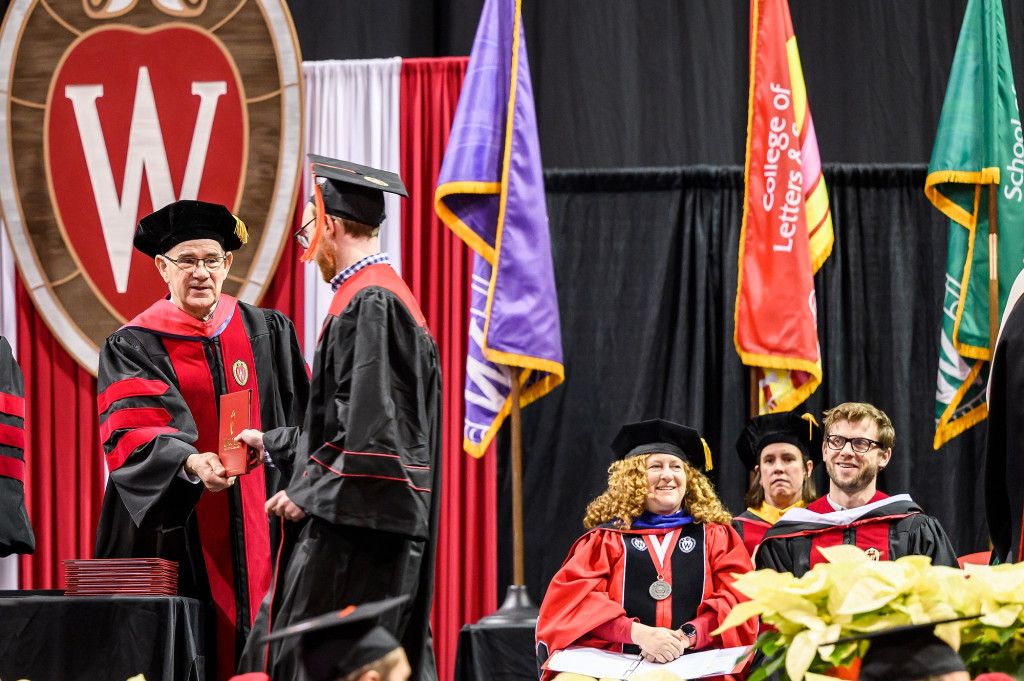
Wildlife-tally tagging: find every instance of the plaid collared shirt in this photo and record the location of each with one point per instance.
(375, 259)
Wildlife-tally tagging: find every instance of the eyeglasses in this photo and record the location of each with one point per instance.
(860, 445)
(188, 263)
(301, 236)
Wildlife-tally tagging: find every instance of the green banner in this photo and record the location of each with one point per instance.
(979, 143)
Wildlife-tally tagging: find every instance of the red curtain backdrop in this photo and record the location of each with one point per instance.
(64, 461)
(437, 267)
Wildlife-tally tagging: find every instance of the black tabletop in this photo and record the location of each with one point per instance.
(46, 636)
(496, 653)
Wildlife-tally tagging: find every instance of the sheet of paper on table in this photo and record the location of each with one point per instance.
(607, 664)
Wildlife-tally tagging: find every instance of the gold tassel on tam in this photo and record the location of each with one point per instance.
(240, 231)
(811, 423)
(707, 455)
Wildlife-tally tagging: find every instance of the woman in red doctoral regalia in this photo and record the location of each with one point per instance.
(654, 571)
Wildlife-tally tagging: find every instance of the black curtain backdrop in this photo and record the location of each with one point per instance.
(646, 258)
(664, 82)
(645, 262)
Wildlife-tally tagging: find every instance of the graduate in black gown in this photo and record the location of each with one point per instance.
(1004, 467)
(16, 534)
(367, 474)
(160, 379)
(910, 653)
(346, 645)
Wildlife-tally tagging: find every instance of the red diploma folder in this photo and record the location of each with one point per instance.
(238, 458)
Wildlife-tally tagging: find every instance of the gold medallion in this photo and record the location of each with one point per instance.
(660, 590)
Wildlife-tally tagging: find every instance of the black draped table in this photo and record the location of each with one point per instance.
(496, 653)
(46, 636)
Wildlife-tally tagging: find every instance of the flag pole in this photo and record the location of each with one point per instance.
(517, 607)
(755, 392)
(993, 266)
(518, 573)
(755, 409)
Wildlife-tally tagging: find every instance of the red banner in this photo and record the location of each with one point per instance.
(787, 227)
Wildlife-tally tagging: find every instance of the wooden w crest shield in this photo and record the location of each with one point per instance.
(114, 108)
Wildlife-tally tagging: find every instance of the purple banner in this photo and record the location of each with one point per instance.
(491, 193)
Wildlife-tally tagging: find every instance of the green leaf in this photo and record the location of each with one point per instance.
(1005, 634)
(841, 655)
(768, 667)
(769, 642)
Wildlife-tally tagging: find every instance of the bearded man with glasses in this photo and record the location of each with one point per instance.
(857, 446)
(364, 489)
(160, 380)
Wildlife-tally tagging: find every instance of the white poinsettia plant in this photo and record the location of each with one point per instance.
(852, 594)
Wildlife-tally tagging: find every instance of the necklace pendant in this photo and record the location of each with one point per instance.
(660, 590)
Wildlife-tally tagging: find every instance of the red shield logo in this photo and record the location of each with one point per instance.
(124, 106)
(240, 371)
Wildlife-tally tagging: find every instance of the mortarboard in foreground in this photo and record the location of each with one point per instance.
(907, 653)
(339, 643)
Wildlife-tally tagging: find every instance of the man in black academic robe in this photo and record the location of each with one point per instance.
(857, 445)
(1004, 466)
(160, 380)
(367, 472)
(15, 529)
(887, 528)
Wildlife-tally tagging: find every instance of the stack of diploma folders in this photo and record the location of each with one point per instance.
(121, 576)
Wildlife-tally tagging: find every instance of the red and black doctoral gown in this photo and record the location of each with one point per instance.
(15, 530)
(160, 380)
(754, 522)
(608, 575)
(750, 528)
(887, 528)
(367, 472)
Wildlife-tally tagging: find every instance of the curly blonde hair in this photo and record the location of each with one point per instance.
(626, 496)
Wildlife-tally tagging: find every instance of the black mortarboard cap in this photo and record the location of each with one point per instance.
(907, 653)
(659, 435)
(799, 430)
(338, 643)
(185, 220)
(352, 191)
